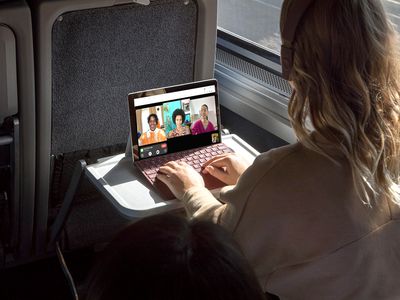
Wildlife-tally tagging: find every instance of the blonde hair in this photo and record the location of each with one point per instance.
(350, 93)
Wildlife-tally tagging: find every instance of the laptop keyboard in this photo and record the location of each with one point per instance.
(193, 157)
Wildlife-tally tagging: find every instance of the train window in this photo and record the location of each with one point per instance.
(393, 10)
(248, 63)
(256, 21)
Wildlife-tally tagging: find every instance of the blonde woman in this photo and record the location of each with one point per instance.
(319, 219)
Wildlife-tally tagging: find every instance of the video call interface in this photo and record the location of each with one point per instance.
(176, 125)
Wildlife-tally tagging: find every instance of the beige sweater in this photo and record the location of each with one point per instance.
(300, 224)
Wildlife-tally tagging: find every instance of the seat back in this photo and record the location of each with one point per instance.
(90, 54)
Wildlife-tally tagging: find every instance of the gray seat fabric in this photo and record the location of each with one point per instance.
(90, 56)
(100, 55)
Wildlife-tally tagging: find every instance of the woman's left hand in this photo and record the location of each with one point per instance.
(179, 177)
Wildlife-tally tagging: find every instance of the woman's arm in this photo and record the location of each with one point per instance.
(187, 185)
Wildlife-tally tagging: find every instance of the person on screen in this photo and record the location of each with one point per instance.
(178, 118)
(203, 124)
(320, 218)
(154, 134)
(170, 257)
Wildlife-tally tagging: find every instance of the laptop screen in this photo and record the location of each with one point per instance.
(175, 118)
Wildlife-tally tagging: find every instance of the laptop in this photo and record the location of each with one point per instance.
(176, 123)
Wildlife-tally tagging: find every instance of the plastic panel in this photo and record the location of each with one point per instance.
(17, 17)
(8, 74)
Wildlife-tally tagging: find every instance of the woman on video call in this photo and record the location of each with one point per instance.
(178, 118)
(319, 219)
(203, 124)
(154, 134)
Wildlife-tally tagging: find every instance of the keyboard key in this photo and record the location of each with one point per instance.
(150, 171)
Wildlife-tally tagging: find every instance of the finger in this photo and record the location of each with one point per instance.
(164, 178)
(165, 170)
(217, 173)
(187, 166)
(215, 158)
(172, 164)
(183, 164)
(221, 162)
(214, 163)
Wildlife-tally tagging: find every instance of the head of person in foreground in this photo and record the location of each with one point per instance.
(169, 257)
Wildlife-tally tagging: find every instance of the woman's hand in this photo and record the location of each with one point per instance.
(226, 167)
(179, 177)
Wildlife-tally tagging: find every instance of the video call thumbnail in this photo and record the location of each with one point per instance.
(175, 119)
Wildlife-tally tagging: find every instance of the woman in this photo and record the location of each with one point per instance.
(178, 117)
(203, 124)
(154, 134)
(319, 219)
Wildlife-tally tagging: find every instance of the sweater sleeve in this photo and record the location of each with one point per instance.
(226, 211)
(201, 203)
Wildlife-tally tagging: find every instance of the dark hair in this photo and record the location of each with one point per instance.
(178, 112)
(152, 115)
(169, 257)
(205, 105)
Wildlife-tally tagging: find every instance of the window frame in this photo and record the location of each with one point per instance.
(249, 50)
(251, 99)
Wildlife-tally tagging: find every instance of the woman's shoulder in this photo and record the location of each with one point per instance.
(160, 131)
(265, 162)
(196, 123)
(293, 161)
(276, 155)
(295, 153)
